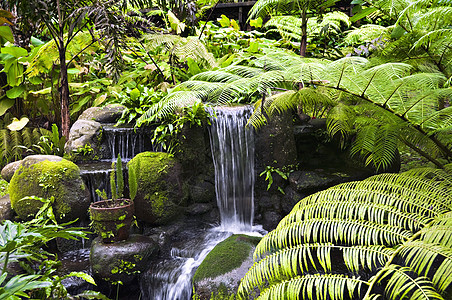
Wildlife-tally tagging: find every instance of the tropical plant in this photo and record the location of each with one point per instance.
(24, 242)
(64, 20)
(13, 143)
(262, 8)
(386, 237)
(325, 30)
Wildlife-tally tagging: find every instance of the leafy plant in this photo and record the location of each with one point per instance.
(168, 133)
(117, 179)
(387, 237)
(270, 171)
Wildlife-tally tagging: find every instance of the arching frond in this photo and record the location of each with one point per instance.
(362, 226)
(366, 33)
(401, 285)
(315, 287)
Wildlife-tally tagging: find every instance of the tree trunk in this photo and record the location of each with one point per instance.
(304, 34)
(64, 96)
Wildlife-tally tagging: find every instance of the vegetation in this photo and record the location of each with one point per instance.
(383, 84)
(387, 236)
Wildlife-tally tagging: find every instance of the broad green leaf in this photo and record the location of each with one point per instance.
(135, 94)
(42, 92)
(5, 104)
(235, 25)
(256, 22)
(15, 51)
(18, 124)
(193, 67)
(362, 14)
(224, 21)
(6, 33)
(15, 92)
(254, 47)
(73, 71)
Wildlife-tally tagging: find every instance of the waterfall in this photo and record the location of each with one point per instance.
(127, 141)
(96, 176)
(232, 147)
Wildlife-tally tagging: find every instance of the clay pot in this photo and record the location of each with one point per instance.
(112, 219)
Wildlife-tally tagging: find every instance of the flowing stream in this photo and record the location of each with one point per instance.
(233, 154)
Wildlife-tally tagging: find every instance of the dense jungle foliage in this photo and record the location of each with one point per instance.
(380, 73)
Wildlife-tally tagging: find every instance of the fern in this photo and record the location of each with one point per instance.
(394, 230)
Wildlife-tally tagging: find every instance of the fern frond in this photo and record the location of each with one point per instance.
(5, 144)
(421, 257)
(314, 287)
(402, 286)
(366, 33)
(16, 141)
(331, 231)
(27, 137)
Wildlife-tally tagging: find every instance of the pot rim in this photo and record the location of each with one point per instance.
(94, 205)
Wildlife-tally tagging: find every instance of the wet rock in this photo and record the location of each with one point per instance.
(107, 114)
(6, 213)
(270, 220)
(198, 209)
(159, 194)
(84, 134)
(224, 266)
(202, 191)
(49, 176)
(9, 169)
(122, 261)
(310, 181)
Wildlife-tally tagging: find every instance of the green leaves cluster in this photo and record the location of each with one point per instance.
(387, 237)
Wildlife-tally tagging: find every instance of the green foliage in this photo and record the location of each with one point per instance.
(23, 242)
(13, 144)
(3, 187)
(168, 133)
(389, 234)
(270, 171)
(133, 182)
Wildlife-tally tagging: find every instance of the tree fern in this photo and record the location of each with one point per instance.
(392, 232)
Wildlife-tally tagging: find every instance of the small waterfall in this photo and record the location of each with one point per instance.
(96, 176)
(171, 279)
(127, 141)
(232, 147)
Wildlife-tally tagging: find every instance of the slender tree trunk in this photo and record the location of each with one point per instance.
(304, 34)
(64, 96)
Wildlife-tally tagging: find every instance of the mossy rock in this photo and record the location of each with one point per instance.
(221, 270)
(45, 177)
(159, 187)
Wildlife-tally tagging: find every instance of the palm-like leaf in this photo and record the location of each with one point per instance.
(359, 223)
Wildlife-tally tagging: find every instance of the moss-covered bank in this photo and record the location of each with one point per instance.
(59, 179)
(159, 188)
(226, 256)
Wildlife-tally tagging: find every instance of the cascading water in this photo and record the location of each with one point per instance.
(127, 141)
(232, 148)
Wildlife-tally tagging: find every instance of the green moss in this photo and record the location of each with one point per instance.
(43, 179)
(226, 256)
(157, 187)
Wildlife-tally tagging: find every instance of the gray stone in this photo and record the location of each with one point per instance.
(198, 209)
(34, 159)
(6, 213)
(202, 192)
(107, 114)
(82, 133)
(122, 261)
(270, 220)
(9, 169)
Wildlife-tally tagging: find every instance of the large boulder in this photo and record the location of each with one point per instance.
(84, 134)
(107, 114)
(159, 193)
(9, 169)
(6, 212)
(122, 261)
(49, 176)
(220, 272)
